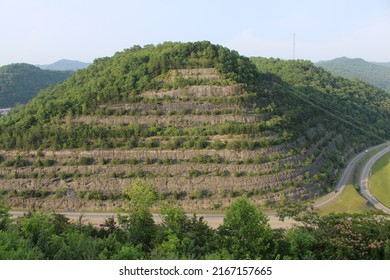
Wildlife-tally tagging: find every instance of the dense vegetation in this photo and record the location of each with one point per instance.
(355, 105)
(114, 80)
(302, 91)
(374, 73)
(244, 234)
(21, 82)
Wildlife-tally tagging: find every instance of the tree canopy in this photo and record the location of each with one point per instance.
(245, 232)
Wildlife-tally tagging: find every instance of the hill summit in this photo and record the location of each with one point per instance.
(200, 122)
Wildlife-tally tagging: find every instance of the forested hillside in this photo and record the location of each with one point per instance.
(198, 121)
(377, 74)
(359, 105)
(21, 82)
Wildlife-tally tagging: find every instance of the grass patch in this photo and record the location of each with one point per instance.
(349, 201)
(379, 180)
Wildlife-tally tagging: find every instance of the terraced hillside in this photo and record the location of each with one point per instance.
(196, 120)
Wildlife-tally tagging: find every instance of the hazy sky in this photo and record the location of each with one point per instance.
(41, 32)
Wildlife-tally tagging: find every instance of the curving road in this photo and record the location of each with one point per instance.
(364, 182)
(344, 179)
(213, 220)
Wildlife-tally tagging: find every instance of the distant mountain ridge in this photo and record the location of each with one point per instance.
(377, 74)
(385, 64)
(65, 65)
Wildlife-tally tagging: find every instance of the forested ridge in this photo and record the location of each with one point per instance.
(21, 82)
(200, 122)
(377, 74)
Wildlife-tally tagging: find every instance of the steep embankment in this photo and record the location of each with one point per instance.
(196, 120)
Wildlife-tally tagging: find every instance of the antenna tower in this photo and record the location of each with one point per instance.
(294, 47)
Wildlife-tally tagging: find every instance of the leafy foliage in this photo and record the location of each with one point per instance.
(245, 232)
(183, 237)
(138, 223)
(4, 216)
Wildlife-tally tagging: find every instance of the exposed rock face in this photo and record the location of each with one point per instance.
(184, 120)
(196, 92)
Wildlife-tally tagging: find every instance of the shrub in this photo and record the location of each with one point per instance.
(86, 161)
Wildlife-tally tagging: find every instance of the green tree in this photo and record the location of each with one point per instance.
(15, 247)
(387, 250)
(339, 236)
(4, 215)
(302, 243)
(138, 222)
(129, 252)
(38, 228)
(245, 232)
(351, 236)
(183, 237)
(74, 245)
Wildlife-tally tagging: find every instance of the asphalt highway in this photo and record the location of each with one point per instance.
(213, 220)
(365, 183)
(343, 181)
